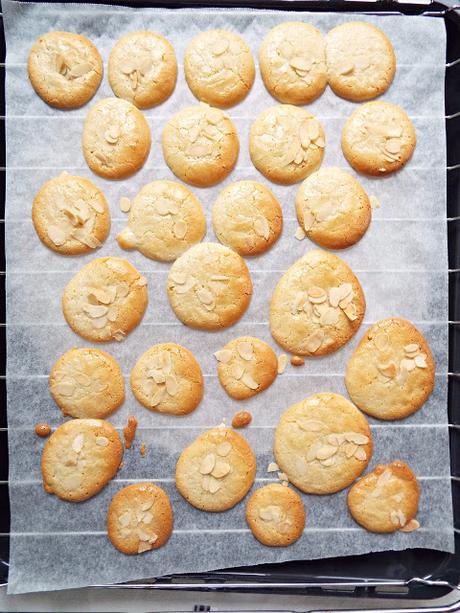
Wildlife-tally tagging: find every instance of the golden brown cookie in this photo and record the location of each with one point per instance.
(391, 372)
(105, 300)
(276, 515)
(80, 458)
(219, 67)
(116, 138)
(87, 383)
(286, 143)
(246, 367)
(139, 518)
(200, 145)
(386, 499)
(378, 138)
(216, 471)
(323, 443)
(71, 215)
(317, 306)
(247, 217)
(65, 69)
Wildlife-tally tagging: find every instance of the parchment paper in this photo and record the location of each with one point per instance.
(401, 263)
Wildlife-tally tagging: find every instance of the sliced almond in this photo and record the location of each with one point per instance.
(158, 396)
(329, 317)
(224, 449)
(79, 70)
(77, 443)
(220, 46)
(99, 322)
(299, 234)
(310, 425)
(146, 506)
(265, 513)
(246, 351)
(313, 129)
(207, 464)
(402, 518)
(382, 341)
(237, 371)
(335, 295)
(314, 340)
(408, 365)
(178, 277)
(102, 441)
(249, 381)
(304, 136)
(262, 227)
(205, 296)
(124, 519)
(272, 467)
(64, 389)
(282, 363)
(297, 305)
(147, 518)
(223, 355)
(351, 312)
(357, 438)
(388, 370)
(316, 294)
(300, 63)
(412, 348)
(328, 461)
(183, 288)
(125, 204)
(143, 535)
(172, 387)
(420, 360)
(350, 449)
(57, 235)
(326, 451)
(180, 229)
(220, 470)
(393, 145)
(411, 525)
(214, 485)
(360, 454)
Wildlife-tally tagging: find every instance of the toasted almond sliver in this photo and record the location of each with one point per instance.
(394, 518)
(408, 365)
(178, 277)
(214, 485)
(300, 234)
(360, 454)
(329, 317)
(77, 443)
(180, 229)
(183, 288)
(265, 513)
(420, 360)
(412, 348)
(313, 128)
(310, 425)
(223, 355)
(350, 449)
(237, 370)
(57, 235)
(95, 310)
(328, 461)
(411, 525)
(388, 370)
(172, 386)
(262, 227)
(79, 70)
(393, 145)
(350, 312)
(205, 296)
(314, 341)
(220, 470)
(316, 294)
(102, 441)
(246, 350)
(326, 451)
(272, 467)
(402, 518)
(207, 464)
(224, 449)
(249, 381)
(356, 437)
(146, 506)
(335, 295)
(282, 363)
(158, 396)
(124, 519)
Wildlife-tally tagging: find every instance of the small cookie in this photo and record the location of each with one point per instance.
(168, 379)
(165, 219)
(317, 306)
(219, 68)
(292, 61)
(378, 138)
(71, 215)
(87, 383)
(139, 518)
(65, 69)
(105, 300)
(391, 372)
(286, 143)
(143, 69)
(386, 499)
(209, 287)
(333, 208)
(216, 471)
(200, 145)
(361, 62)
(276, 515)
(80, 458)
(323, 443)
(246, 367)
(247, 217)
(116, 138)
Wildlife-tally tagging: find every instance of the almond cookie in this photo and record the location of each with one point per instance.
(105, 300)
(80, 458)
(247, 217)
(65, 69)
(317, 306)
(143, 69)
(286, 143)
(71, 215)
(139, 518)
(165, 219)
(87, 383)
(378, 138)
(292, 61)
(333, 208)
(246, 367)
(391, 372)
(200, 145)
(216, 471)
(323, 443)
(116, 138)
(167, 378)
(386, 499)
(361, 62)
(219, 68)
(209, 287)
(276, 515)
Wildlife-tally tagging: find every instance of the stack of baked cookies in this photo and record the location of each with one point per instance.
(323, 443)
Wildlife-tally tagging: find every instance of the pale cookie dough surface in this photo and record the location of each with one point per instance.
(378, 138)
(105, 300)
(286, 143)
(386, 499)
(87, 383)
(323, 443)
(246, 367)
(216, 471)
(165, 219)
(200, 145)
(219, 67)
(80, 458)
(333, 208)
(71, 215)
(139, 518)
(361, 62)
(65, 69)
(247, 217)
(292, 60)
(391, 372)
(167, 378)
(116, 138)
(209, 287)
(317, 306)
(275, 515)
(143, 69)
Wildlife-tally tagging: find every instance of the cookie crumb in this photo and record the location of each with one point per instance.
(241, 419)
(129, 431)
(297, 360)
(142, 449)
(272, 467)
(43, 430)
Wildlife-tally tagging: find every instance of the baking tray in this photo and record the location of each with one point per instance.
(411, 574)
